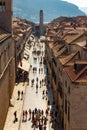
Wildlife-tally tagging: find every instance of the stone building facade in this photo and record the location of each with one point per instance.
(75, 98)
(7, 60)
(66, 49)
(7, 74)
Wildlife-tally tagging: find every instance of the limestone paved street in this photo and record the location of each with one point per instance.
(33, 94)
(32, 99)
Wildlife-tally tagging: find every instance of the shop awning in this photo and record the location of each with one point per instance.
(24, 65)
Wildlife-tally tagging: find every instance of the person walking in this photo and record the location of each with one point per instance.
(40, 126)
(48, 102)
(26, 113)
(36, 88)
(40, 83)
(46, 112)
(45, 121)
(33, 70)
(21, 95)
(34, 123)
(18, 95)
(32, 116)
(42, 120)
(32, 81)
(15, 117)
(29, 114)
(23, 116)
(42, 112)
(39, 70)
(43, 92)
(35, 110)
(46, 92)
(30, 66)
(37, 79)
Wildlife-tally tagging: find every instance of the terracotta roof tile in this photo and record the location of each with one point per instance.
(3, 35)
(67, 58)
(83, 77)
(51, 44)
(76, 76)
(81, 44)
(72, 35)
(61, 51)
(57, 48)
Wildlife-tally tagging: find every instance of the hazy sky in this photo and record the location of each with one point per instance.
(80, 3)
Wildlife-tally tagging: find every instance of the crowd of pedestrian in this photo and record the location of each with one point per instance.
(39, 118)
(20, 95)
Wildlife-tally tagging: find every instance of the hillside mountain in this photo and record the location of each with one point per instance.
(84, 9)
(29, 9)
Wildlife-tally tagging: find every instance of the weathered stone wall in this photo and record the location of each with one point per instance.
(78, 101)
(7, 77)
(4, 97)
(6, 16)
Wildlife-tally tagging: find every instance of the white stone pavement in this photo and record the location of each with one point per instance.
(9, 125)
(32, 99)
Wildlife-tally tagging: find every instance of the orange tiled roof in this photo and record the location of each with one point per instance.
(76, 76)
(82, 43)
(51, 44)
(72, 35)
(61, 51)
(3, 35)
(67, 58)
(56, 48)
(19, 27)
(83, 77)
(82, 62)
(16, 37)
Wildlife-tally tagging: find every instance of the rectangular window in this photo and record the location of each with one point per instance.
(2, 6)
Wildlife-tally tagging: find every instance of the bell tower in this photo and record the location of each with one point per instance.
(41, 22)
(6, 15)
